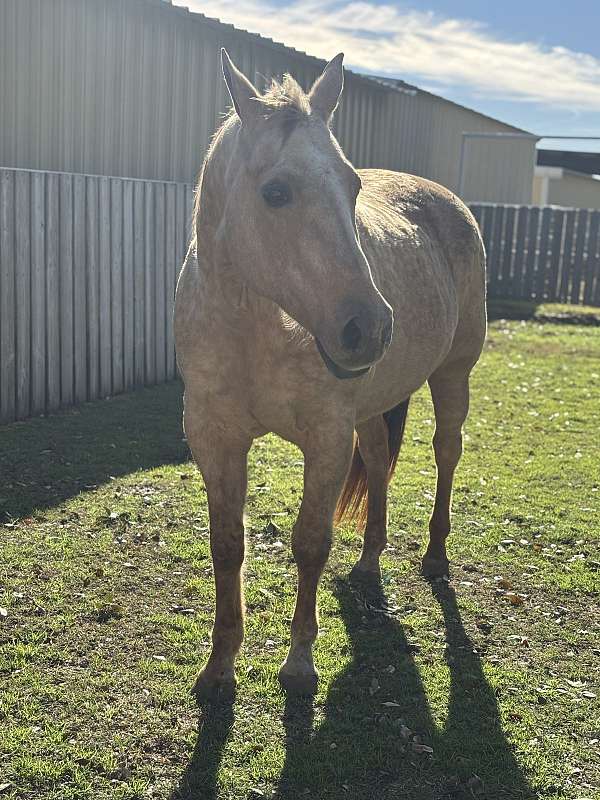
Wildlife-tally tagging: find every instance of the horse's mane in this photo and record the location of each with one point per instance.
(287, 95)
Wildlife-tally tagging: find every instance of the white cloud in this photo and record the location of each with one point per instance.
(451, 52)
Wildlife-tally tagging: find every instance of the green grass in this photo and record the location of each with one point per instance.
(105, 578)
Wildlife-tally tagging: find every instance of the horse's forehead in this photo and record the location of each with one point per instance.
(308, 148)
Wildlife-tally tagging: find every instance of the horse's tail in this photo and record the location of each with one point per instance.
(353, 501)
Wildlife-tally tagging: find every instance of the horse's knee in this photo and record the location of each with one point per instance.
(447, 449)
(311, 547)
(227, 547)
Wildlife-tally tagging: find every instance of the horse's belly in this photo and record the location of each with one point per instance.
(422, 339)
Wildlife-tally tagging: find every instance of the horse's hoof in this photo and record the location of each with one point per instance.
(213, 690)
(360, 575)
(298, 683)
(435, 567)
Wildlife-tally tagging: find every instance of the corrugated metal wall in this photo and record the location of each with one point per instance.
(133, 88)
(576, 191)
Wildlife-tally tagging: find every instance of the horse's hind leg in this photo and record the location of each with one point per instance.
(449, 387)
(374, 449)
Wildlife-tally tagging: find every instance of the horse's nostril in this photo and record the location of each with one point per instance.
(352, 335)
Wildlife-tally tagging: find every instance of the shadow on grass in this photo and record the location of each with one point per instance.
(199, 781)
(366, 750)
(557, 313)
(44, 461)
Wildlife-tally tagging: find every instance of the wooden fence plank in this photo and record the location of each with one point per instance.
(116, 282)
(590, 259)
(532, 239)
(128, 287)
(139, 261)
(38, 293)
(496, 247)
(170, 266)
(592, 279)
(159, 266)
(558, 221)
(104, 298)
(580, 240)
(505, 286)
(93, 287)
(567, 256)
(79, 291)
(477, 211)
(519, 259)
(23, 293)
(543, 259)
(486, 233)
(7, 298)
(52, 292)
(596, 289)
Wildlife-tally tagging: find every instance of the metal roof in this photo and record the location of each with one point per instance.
(380, 81)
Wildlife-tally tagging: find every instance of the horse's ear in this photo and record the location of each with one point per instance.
(243, 94)
(326, 90)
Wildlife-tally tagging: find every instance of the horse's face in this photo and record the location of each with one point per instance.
(289, 226)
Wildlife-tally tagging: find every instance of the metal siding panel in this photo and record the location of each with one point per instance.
(104, 297)
(128, 286)
(38, 294)
(7, 298)
(170, 267)
(52, 291)
(139, 283)
(92, 241)
(149, 286)
(79, 290)
(23, 293)
(116, 283)
(160, 315)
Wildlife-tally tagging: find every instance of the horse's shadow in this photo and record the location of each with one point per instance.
(375, 754)
(377, 722)
(199, 781)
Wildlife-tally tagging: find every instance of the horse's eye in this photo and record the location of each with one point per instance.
(276, 194)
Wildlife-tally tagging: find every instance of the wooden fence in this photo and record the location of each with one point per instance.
(546, 254)
(87, 277)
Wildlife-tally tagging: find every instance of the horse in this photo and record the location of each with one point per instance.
(314, 300)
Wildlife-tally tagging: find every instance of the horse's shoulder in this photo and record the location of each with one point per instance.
(402, 201)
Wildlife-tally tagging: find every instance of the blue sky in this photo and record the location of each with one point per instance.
(533, 63)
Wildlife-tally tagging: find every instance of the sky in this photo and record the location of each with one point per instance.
(532, 63)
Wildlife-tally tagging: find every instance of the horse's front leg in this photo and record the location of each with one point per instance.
(222, 459)
(326, 460)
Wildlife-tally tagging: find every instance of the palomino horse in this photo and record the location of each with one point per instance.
(299, 267)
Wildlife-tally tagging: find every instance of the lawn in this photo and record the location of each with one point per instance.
(486, 687)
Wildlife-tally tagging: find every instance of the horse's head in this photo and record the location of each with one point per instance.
(288, 220)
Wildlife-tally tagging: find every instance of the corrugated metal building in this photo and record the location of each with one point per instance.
(557, 186)
(133, 88)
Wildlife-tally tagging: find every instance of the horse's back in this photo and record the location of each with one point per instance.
(427, 258)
